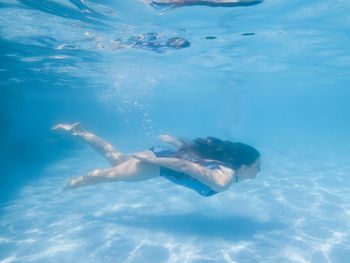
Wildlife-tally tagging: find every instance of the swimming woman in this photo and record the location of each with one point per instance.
(206, 165)
(228, 3)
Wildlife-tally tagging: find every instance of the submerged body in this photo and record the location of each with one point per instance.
(179, 165)
(185, 179)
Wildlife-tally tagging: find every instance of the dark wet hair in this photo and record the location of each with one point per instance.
(231, 154)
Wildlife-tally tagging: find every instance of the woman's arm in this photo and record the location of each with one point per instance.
(215, 179)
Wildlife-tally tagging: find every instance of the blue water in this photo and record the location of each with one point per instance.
(274, 75)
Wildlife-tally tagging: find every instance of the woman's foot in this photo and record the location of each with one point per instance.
(73, 183)
(74, 128)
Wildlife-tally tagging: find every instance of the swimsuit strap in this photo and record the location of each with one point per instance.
(212, 164)
(191, 158)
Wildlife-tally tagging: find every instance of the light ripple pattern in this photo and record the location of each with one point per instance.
(291, 213)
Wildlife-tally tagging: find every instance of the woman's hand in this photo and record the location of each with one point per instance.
(166, 138)
(171, 140)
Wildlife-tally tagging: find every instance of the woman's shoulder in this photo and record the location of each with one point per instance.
(226, 170)
(213, 164)
(230, 172)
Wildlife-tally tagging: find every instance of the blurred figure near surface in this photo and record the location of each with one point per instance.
(152, 41)
(178, 3)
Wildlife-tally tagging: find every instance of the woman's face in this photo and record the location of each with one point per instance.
(246, 172)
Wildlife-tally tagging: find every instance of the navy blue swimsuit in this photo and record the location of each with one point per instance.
(182, 178)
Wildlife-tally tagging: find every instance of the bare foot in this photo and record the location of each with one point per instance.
(73, 183)
(73, 128)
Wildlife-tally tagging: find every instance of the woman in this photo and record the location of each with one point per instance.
(165, 3)
(207, 166)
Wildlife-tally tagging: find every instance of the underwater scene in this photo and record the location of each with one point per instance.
(270, 74)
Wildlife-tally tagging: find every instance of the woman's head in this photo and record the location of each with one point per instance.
(231, 154)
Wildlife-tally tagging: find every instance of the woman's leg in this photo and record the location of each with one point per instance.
(132, 170)
(100, 145)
